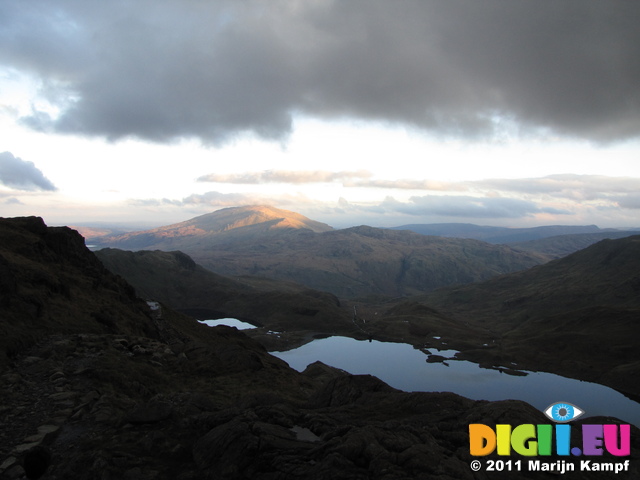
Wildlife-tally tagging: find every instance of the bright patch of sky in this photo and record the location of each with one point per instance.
(101, 181)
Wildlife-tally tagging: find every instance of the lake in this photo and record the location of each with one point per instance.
(229, 322)
(404, 367)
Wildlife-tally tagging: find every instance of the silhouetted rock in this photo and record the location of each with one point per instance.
(36, 462)
(435, 359)
(348, 389)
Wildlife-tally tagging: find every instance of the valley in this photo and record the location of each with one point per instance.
(107, 372)
(548, 317)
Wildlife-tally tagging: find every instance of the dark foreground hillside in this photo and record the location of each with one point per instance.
(176, 280)
(97, 384)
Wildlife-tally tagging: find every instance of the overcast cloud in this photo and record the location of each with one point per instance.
(213, 70)
(577, 187)
(469, 207)
(18, 174)
(562, 197)
(13, 201)
(284, 176)
(219, 200)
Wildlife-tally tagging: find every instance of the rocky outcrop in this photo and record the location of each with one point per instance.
(114, 407)
(51, 283)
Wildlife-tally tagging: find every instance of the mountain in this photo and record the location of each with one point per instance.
(502, 235)
(220, 227)
(96, 383)
(577, 316)
(349, 263)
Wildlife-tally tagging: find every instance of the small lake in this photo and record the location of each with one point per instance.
(404, 367)
(229, 322)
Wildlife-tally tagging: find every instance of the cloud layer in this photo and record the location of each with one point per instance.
(213, 70)
(21, 175)
(285, 176)
(554, 199)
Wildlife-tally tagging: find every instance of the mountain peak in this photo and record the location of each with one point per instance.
(267, 216)
(247, 221)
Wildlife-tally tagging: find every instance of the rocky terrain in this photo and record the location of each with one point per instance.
(350, 263)
(97, 383)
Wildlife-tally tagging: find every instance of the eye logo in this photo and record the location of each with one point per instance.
(562, 412)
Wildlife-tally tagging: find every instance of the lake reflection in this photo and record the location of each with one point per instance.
(404, 367)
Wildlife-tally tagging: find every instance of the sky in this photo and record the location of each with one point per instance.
(379, 112)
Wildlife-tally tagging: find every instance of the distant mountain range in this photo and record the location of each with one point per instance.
(562, 245)
(352, 262)
(506, 235)
(554, 241)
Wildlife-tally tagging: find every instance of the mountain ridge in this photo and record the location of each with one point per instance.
(505, 235)
(352, 262)
(562, 245)
(605, 272)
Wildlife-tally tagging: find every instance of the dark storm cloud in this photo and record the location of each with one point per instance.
(21, 175)
(212, 70)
